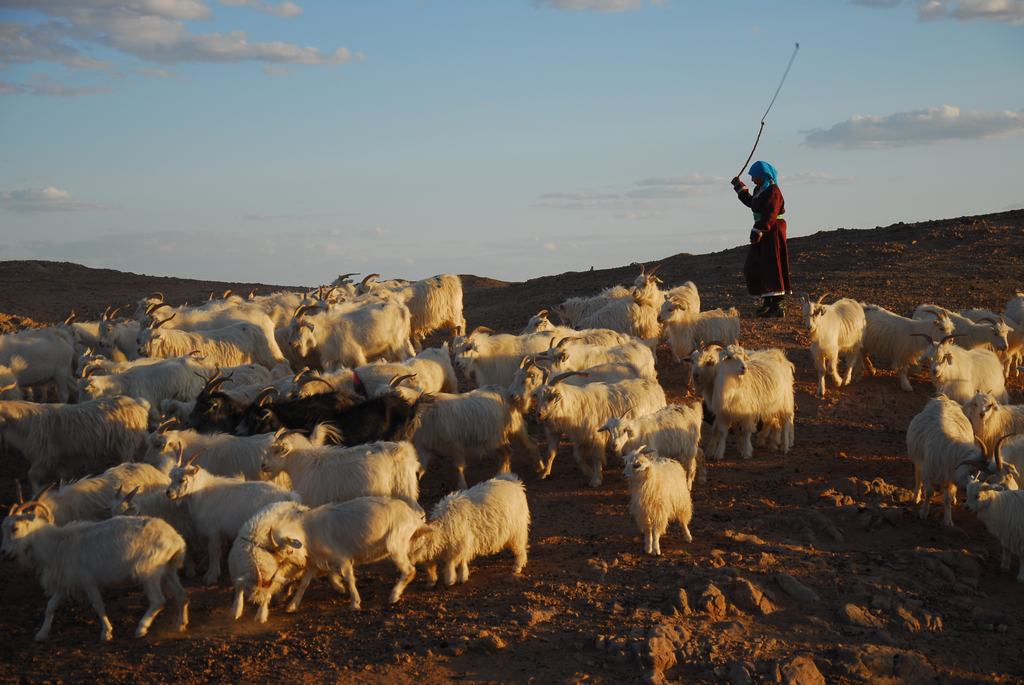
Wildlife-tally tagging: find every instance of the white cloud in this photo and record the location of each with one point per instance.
(281, 9)
(48, 199)
(917, 127)
(150, 30)
(1006, 11)
(590, 5)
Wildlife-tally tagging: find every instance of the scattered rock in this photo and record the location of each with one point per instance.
(859, 616)
(801, 670)
(659, 654)
(738, 674)
(682, 603)
(890, 666)
(748, 596)
(795, 589)
(712, 602)
(535, 615)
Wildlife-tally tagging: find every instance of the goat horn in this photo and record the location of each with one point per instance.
(89, 369)
(999, 450)
(367, 278)
(654, 270)
(561, 343)
(17, 489)
(820, 299)
(114, 312)
(71, 318)
(950, 337)
(924, 335)
(227, 294)
(195, 455)
(209, 297)
(273, 539)
(180, 453)
(251, 295)
(157, 324)
(317, 379)
(166, 424)
(105, 316)
(568, 374)
(29, 506)
(542, 313)
(264, 394)
(303, 372)
(479, 329)
(156, 296)
(342, 277)
(155, 306)
(398, 379)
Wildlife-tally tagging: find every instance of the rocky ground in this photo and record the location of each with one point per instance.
(805, 568)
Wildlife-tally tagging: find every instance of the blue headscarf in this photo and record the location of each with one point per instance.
(767, 172)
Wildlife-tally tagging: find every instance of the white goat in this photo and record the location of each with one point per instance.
(579, 411)
(899, 341)
(673, 432)
(960, 374)
(570, 355)
(659, 492)
(85, 556)
(240, 343)
(179, 378)
(939, 441)
(492, 358)
(354, 335)
(434, 303)
(429, 371)
(836, 330)
(685, 327)
(336, 474)
(219, 453)
(88, 499)
(751, 388)
(971, 334)
(992, 420)
(253, 560)
(1002, 512)
(218, 506)
(491, 516)
(476, 423)
(37, 356)
(340, 537)
(636, 315)
(65, 441)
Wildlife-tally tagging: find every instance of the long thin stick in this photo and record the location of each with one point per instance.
(796, 48)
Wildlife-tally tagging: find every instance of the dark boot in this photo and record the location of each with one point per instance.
(775, 310)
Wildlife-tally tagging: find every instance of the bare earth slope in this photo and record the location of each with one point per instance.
(880, 596)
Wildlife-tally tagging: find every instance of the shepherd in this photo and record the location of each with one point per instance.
(767, 267)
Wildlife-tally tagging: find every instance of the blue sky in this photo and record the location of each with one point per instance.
(287, 142)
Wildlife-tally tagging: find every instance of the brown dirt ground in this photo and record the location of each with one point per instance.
(833, 514)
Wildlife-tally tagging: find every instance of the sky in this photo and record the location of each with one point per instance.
(287, 142)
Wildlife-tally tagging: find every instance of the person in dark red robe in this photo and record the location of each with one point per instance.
(767, 267)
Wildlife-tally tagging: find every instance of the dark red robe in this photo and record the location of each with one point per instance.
(767, 265)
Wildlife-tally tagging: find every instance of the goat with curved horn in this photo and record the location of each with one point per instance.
(157, 324)
(398, 379)
(568, 374)
(367, 278)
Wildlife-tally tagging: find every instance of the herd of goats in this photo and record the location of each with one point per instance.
(284, 425)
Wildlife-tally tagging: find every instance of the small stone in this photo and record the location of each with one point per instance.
(738, 674)
(682, 603)
(859, 616)
(659, 654)
(751, 598)
(712, 602)
(801, 670)
(795, 589)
